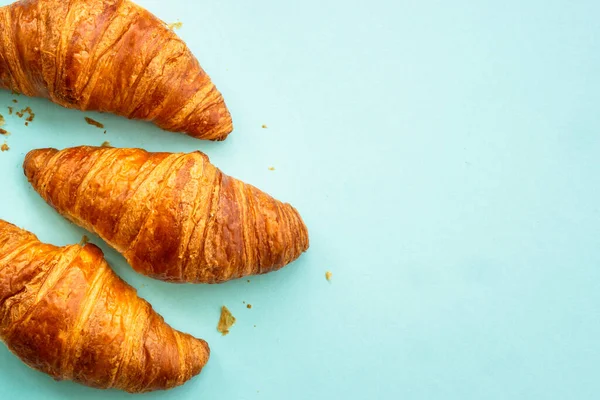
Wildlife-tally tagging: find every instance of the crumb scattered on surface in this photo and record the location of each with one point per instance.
(175, 25)
(243, 302)
(105, 132)
(328, 275)
(94, 123)
(226, 321)
(4, 147)
(3, 131)
(249, 306)
(248, 280)
(26, 110)
(271, 168)
(264, 126)
(2, 121)
(26, 123)
(15, 101)
(84, 240)
(10, 110)
(106, 144)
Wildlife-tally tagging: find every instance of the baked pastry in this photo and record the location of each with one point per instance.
(174, 217)
(110, 56)
(63, 311)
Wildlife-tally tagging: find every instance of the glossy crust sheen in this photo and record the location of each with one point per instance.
(64, 312)
(175, 217)
(111, 56)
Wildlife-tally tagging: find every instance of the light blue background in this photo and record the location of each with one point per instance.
(444, 155)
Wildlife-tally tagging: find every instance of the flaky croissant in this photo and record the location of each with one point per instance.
(112, 56)
(64, 312)
(174, 217)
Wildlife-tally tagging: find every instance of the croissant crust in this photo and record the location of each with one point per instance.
(63, 311)
(174, 216)
(110, 56)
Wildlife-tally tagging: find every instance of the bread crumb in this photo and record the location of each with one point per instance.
(264, 126)
(10, 110)
(106, 144)
(15, 101)
(105, 132)
(3, 131)
(2, 120)
(328, 275)
(84, 240)
(271, 168)
(4, 147)
(175, 25)
(226, 321)
(94, 123)
(26, 110)
(248, 280)
(26, 123)
(249, 306)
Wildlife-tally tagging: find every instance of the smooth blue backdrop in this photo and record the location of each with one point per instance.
(444, 157)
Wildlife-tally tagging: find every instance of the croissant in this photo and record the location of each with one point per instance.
(174, 217)
(110, 56)
(64, 312)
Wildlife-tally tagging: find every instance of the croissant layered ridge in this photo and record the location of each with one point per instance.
(63, 311)
(109, 56)
(174, 216)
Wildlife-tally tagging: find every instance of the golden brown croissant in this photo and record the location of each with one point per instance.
(112, 56)
(63, 311)
(174, 217)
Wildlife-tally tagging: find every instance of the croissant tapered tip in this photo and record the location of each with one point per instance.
(35, 161)
(214, 123)
(303, 239)
(300, 233)
(225, 125)
(201, 354)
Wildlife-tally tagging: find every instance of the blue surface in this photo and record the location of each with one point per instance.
(444, 156)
